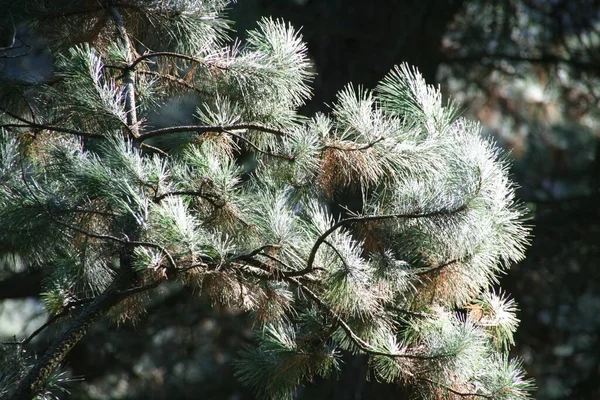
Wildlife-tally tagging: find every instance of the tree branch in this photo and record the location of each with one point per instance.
(437, 267)
(456, 392)
(129, 73)
(33, 125)
(359, 148)
(35, 379)
(357, 340)
(134, 63)
(207, 128)
(53, 128)
(363, 219)
(255, 147)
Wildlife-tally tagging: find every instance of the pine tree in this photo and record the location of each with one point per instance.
(378, 229)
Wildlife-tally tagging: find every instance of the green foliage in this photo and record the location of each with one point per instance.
(128, 206)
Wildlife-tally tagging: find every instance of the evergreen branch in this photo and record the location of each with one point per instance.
(140, 289)
(368, 218)
(33, 125)
(277, 260)
(80, 211)
(146, 56)
(257, 251)
(35, 379)
(456, 392)
(155, 149)
(170, 258)
(67, 309)
(171, 78)
(85, 232)
(255, 147)
(94, 235)
(207, 128)
(129, 74)
(408, 312)
(188, 268)
(357, 340)
(365, 147)
(197, 193)
(55, 129)
(437, 267)
(337, 252)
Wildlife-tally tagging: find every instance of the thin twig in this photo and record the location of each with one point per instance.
(198, 193)
(207, 128)
(437, 267)
(456, 392)
(357, 340)
(156, 149)
(364, 219)
(140, 289)
(143, 57)
(129, 74)
(34, 125)
(171, 78)
(365, 147)
(255, 147)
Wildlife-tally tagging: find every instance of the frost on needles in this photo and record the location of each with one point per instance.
(378, 229)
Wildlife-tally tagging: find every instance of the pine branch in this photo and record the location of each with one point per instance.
(363, 219)
(33, 125)
(212, 199)
(173, 79)
(146, 56)
(357, 340)
(359, 148)
(35, 379)
(437, 267)
(256, 148)
(207, 128)
(53, 128)
(129, 74)
(68, 309)
(126, 241)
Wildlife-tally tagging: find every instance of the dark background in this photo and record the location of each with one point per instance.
(530, 72)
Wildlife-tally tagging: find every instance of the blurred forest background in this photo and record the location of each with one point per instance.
(529, 70)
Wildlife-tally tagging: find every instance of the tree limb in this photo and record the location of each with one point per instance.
(35, 379)
(362, 219)
(207, 128)
(129, 74)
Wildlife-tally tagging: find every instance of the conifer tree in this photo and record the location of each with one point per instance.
(377, 229)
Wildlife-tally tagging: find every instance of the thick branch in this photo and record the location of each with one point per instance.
(33, 383)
